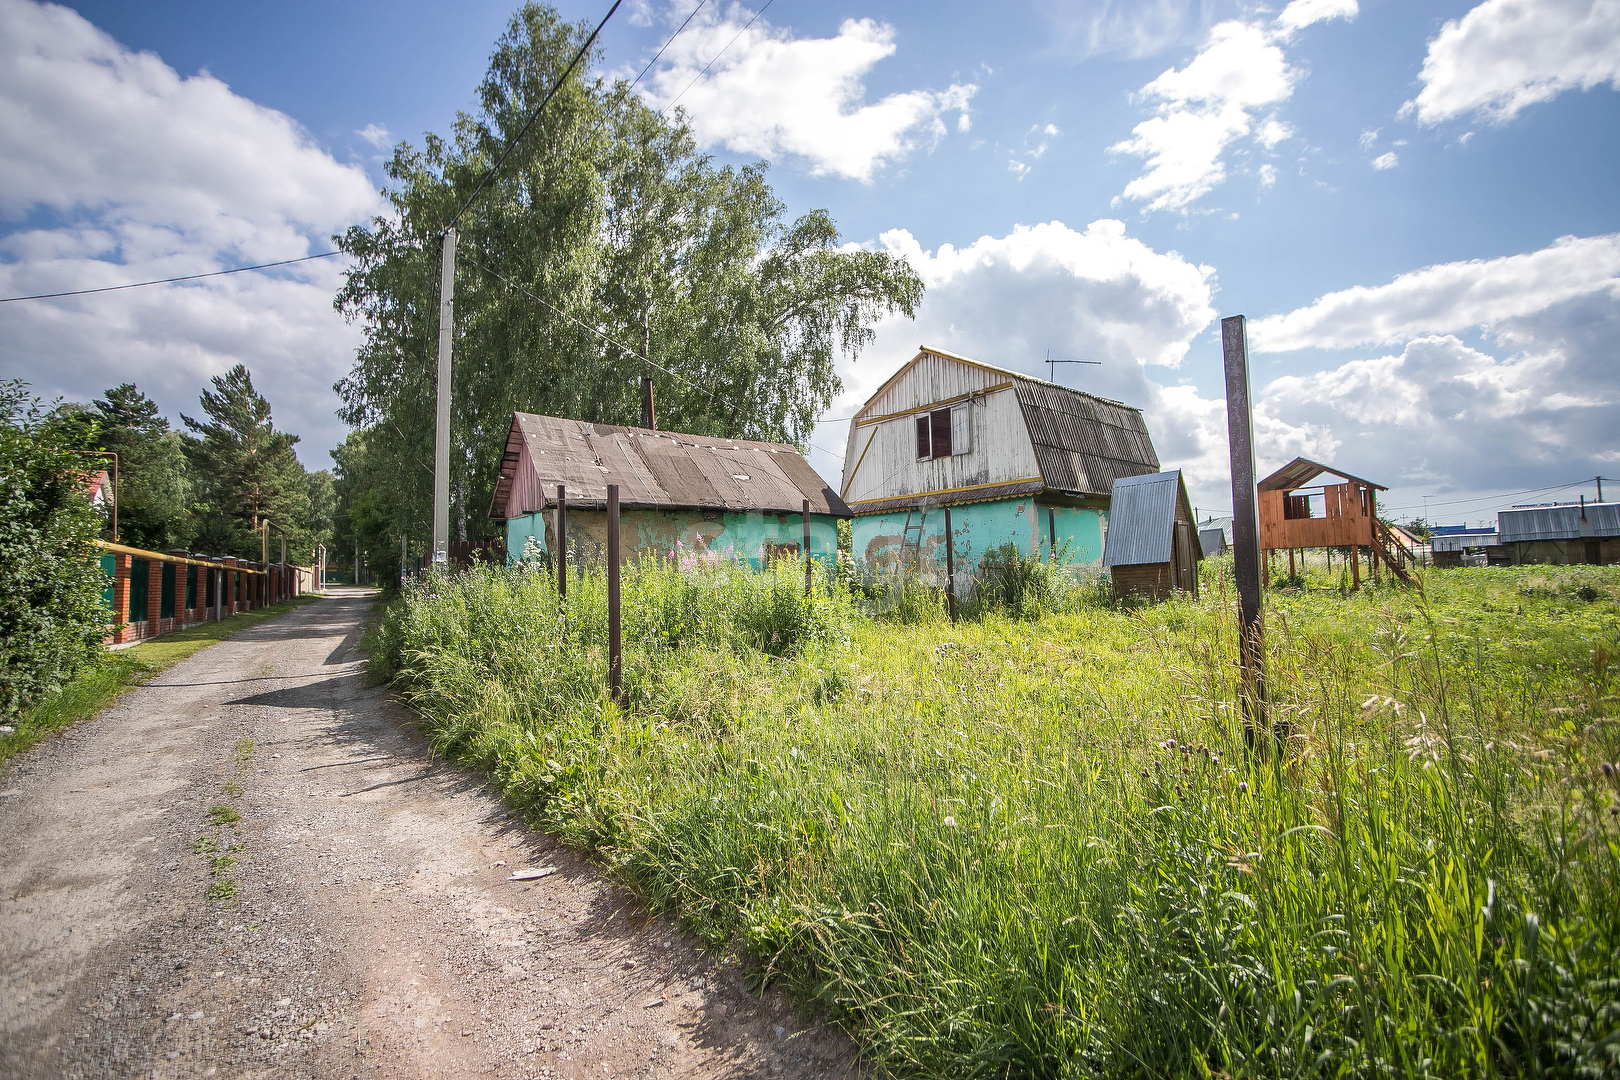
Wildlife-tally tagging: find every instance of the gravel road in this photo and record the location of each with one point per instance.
(251, 866)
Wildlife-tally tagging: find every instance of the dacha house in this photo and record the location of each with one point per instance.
(681, 493)
(1015, 459)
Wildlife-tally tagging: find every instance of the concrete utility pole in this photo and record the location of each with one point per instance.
(441, 427)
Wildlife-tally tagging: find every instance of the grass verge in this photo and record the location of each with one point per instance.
(99, 685)
(1039, 847)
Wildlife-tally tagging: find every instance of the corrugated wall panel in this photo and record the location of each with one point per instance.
(1001, 453)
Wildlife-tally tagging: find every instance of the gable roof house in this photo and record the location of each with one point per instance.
(1153, 546)
(1015, 459)
(689, 494)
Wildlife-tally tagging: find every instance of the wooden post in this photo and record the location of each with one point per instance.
(1374, 545)
(615, 660)
(1292, 573)
(1355, 566)
(562, 543)
(805, 513)
(950, 566)
(1245, 522)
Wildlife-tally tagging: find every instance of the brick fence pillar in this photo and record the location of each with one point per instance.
(120, 598)
(154, 596)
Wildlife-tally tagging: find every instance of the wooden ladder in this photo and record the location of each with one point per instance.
(906, 534)
(1396, 555)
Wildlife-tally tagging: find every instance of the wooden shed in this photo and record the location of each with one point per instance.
(1296, 513)
(1153, 548)
(680, 494)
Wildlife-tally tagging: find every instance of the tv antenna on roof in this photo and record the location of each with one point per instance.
(1051, 365)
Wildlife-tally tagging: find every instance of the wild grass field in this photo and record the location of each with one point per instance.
(1040, 847)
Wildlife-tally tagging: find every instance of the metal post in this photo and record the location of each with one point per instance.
(615, 660)
(404, 553)
(1245, 521)
(562, 544)
(950, 566)
(805, 512)
(441, 426)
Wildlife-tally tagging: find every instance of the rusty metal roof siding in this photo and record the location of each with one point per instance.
(1082, 442)
(664, 469)
(1558, 523)
(1301, 471)
(1141, 519)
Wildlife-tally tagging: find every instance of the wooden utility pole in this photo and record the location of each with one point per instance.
(615, 660)
(562, 544)
(1245, 523)
(805, 513)
(950, 566)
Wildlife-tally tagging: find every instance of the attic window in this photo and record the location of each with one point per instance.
(942, 433)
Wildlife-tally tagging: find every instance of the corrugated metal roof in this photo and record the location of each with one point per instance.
(1461, 541)
(663, 469)
(1558, 522)
(1083, 442)
(1212, 540)
(1301, 471)
(1141, 519)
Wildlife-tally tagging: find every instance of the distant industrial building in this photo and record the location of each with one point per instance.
(1572, 533)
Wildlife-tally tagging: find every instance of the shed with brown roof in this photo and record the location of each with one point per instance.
(692, 496)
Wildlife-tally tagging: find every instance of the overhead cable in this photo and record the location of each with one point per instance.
(580, 322)
(668, 43)
(169, 280)
(524, 130)
(719, 54)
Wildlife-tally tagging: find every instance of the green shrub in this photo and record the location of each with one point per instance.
(52, 615)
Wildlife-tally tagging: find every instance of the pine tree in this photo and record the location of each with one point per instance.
(246, 470)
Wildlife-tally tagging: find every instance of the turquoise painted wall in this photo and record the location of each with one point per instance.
(981, 527)
(747, 536)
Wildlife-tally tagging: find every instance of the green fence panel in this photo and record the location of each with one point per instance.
(166, 597)
(139, 576)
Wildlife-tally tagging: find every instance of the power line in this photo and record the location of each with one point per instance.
(668, 43)
(719, 54)
(605, 337)
(169, 280)
(1489, 498)
(510, 146)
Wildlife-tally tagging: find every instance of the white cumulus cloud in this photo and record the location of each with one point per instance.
(1386, 161)
(114, 168)
(1448, 298)
(1094, 293)
(771, 93)
(1505, 55)
(1502, 375)
(1216, 100)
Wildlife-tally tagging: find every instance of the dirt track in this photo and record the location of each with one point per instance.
(373, 930)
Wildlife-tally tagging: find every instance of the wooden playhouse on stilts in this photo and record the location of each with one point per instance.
(1297, 513)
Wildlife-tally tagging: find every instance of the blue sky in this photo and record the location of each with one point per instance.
(1412, 202)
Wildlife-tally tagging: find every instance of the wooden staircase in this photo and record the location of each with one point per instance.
(1395, 554)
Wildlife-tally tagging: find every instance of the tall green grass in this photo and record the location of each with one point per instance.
(1038, 846)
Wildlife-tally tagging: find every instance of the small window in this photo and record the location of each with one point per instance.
(961, 429)
(944, 432)
(940, 421)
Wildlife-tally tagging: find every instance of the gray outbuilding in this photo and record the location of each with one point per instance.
(1153, 548)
